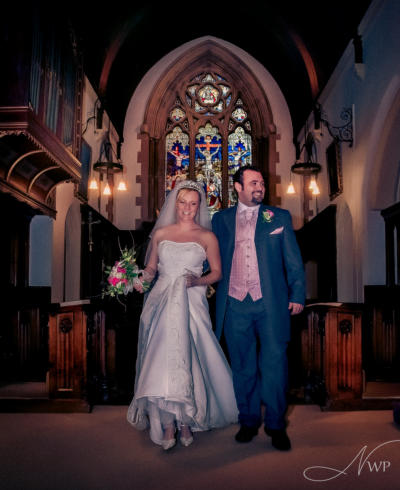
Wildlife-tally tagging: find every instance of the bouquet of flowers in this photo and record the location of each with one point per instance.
(124, 275)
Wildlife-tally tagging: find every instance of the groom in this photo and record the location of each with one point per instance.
(262, 284)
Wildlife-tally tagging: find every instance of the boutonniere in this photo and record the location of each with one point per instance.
(268, 216)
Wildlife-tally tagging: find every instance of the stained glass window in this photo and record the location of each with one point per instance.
(208, 78)
(208, 95)
(239, 114)
(208, 137)
(208, 158)
(198, 107)
(219, 107)
(192, 90)
(224, 89)
(239, 154)
(177, 114)
(177, 157)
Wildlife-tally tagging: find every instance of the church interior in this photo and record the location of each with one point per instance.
(103, 109)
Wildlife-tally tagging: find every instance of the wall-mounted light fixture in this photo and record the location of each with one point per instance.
(107, 167)
(306, 166)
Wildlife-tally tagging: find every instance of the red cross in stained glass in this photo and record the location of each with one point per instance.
(208, 144)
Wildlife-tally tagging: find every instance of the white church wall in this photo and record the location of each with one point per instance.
(371, 94)
(374, 270)
(66, 246)
(64, 198)
(128, 213)
(72, 259)
(40, 251)
(397, 192)
(381, 180)
(346, 253)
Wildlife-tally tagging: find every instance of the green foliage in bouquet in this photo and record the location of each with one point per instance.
(124, 275)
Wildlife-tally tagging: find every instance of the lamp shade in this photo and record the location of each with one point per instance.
(93, 184)
(122, 186)
(315, 191)
(290, 189)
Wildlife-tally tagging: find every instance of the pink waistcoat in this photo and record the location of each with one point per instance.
(245, 277)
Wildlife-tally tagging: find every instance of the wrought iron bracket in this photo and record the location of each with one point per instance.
(342, 133)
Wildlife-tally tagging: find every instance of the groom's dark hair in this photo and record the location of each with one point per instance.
(238, 175)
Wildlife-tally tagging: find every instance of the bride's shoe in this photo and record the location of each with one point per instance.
(186, 441)
(169, 443)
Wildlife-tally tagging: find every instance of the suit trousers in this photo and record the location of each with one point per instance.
(258, 362)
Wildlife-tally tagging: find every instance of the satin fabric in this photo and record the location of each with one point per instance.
(180, 368)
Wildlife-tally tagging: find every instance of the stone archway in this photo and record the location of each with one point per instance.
(72, 255)
(384, 177)
(381, 184)
(207, 55)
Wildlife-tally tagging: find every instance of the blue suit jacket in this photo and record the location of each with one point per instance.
(279, 262)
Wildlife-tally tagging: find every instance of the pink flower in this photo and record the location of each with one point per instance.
(121, 269)
(114, 281)
(267, 216)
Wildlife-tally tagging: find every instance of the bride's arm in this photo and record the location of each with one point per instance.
(214, 261)
(150, 270)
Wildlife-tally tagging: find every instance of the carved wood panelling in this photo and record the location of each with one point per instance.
(382, 333)
(332, 349)
(67, 344)
(34, 160)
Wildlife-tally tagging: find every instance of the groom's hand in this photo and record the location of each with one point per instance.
(295, 308)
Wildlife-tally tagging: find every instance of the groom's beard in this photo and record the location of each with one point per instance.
(257, 197)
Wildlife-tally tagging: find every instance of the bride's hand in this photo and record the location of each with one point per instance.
(191, 280)
(138, 285)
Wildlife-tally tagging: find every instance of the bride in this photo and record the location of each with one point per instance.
(183, 380)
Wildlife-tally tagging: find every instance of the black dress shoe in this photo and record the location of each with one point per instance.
(246, 433)
(279, 439)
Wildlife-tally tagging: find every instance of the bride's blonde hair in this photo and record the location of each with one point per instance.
(185, 190)
(167, 214)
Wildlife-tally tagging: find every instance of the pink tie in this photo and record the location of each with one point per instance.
(249, 216)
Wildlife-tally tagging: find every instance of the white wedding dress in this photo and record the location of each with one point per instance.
(180, 368)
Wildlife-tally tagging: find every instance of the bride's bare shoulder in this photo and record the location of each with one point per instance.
(207, 235)
(161, 233)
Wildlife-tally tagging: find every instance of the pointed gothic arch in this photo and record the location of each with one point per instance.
(384, 175)
(207, 57)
